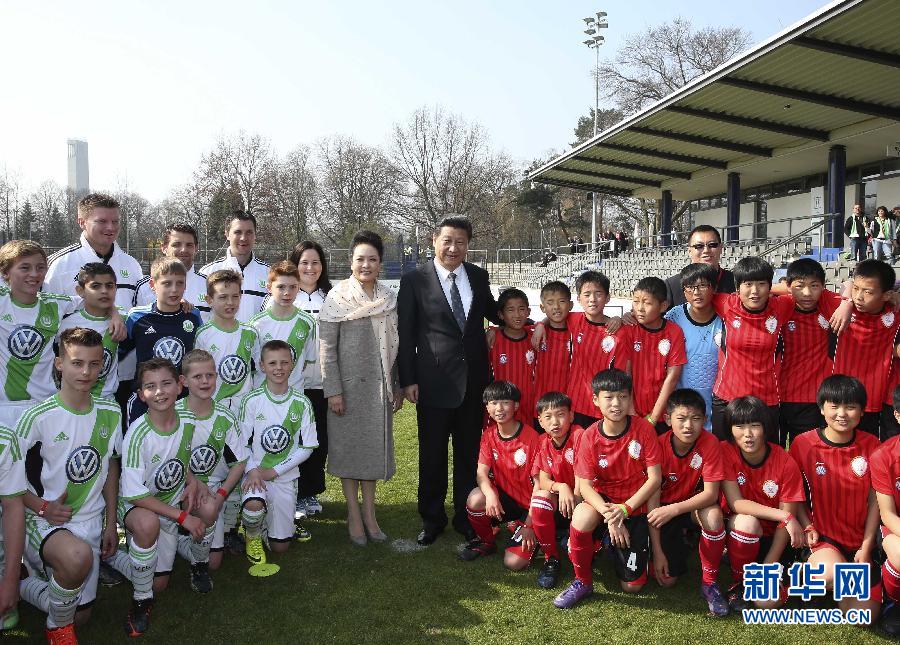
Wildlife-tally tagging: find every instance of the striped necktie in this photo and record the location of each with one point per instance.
(456, 303)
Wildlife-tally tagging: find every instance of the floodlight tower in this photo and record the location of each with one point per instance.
(594, 24)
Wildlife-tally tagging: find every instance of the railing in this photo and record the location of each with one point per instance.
(817, 225)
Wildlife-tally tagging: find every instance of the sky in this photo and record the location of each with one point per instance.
(150, 85)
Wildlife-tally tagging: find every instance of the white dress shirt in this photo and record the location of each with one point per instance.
(462, 283)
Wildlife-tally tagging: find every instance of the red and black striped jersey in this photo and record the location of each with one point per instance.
(510, 460)
(885, 467)
(594, 349)
(681, 474)
(554, 356)
(864, 350)
(558, 461)
(513, 360)
(805, 359)
(651, 352)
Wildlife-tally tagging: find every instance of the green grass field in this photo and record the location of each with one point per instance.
(329, 591)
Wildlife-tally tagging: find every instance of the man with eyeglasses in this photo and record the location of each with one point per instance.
(704, 246)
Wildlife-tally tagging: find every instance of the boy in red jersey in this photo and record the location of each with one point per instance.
(616, 471)
(512, 356)
(656, 349)
(504, 479)
(554, 497)
(763, 487)
(885, 469)
(690, 455)
(554, 354)
(865, 348)
(834, 460)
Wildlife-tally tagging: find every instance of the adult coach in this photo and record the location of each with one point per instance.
(98, 219)
(444, 367)
(704, 246)
(240, 232)
(182, 242)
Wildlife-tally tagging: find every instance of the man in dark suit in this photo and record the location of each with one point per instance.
(444, 368)
(704, 246)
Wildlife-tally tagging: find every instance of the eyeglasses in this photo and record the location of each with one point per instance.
(699, 246)
(698, 288)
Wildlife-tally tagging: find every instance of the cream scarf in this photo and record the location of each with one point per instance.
(348, 301)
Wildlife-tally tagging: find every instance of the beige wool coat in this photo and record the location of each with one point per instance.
(361, 442)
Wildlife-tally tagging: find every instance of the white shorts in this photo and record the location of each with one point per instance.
(38, 529)
(12, 411)
(166, 544)
(218, 537)
(280, 499)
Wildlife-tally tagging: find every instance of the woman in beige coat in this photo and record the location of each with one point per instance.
(358, 351)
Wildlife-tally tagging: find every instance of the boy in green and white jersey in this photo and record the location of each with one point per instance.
(218, 455)
(234, 345)
(97, 289)
(12, 518)
(279, 420)
(75, 438)
(283, 321)
(155, 481)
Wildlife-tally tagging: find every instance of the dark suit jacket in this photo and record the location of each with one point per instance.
(675, 294)
(434, 353)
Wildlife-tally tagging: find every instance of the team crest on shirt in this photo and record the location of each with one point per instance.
(791, 326)
(519, 457)
(579, 337)
(274, 439)
(637, 345)
(634, 449)
(104, 432)
(495, 454)
(771, 324)
(736, 323)
(603, 462)
(672, 477)
(262, 284)
(570, 456)
(187, 326)
(888, 318)
(823, 322)
(46, 321)
(696, 461)
(664, 346)
(549, 462)
(233, 369)
(170, 348)
(741, 479)
(859, 466)
(820, 469)
(294, 417)
(529, 356)
(717, 338)
(897, 483)
(503, 359)
(201, 297)
(770, 488)
(300, 334)
(83, 463)
(607, 344)
(25, 342)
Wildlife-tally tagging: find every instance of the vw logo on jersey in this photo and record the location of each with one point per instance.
(203, 459)
(82, 464)
(107, 363)
(169, 475)
(274, 439)
(25, 342)
(233, 369)
(170, 348)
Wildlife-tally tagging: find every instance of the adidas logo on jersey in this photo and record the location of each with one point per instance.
(213, 349)
(155, 460)
(7, 318)
(61, 437)
(260, 417)
(149, 330)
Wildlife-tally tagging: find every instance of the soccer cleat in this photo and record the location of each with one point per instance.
(64, 635)
(889, 621)
(573, 594)
(300, 512)
(475, 549)
(736, 601)
(711, 593)
(201, 582)
(549, 574)
(108, 576)
(234, 541)
(255, 551)
(301, 534)
(138, 621)
(313, 505)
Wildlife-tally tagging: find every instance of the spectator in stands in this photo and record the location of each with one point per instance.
(579, 244)
(855, 228)
(705, 246)
(883, 230)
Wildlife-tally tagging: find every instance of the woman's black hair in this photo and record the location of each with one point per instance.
(501, 391)
(371, 238)
(745, 410)
(752, 269)
(841, 389)
(323, 283)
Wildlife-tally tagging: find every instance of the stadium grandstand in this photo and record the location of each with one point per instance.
(773, 148)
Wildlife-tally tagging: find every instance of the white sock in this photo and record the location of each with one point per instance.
(63, 604)
(34, 591)
(184, 547)
(252, 521)
(231, 508)
(200, 550)
(143, 566)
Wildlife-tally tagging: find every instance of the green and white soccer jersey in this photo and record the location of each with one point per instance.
(154, 462)
(280, 428)
(217, 443)
(234, 351)
(298, 331)
(75, 449)
(108, 381)
(26, 350)
(12, 466)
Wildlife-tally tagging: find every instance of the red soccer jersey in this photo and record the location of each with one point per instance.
(652, 352)
(617, 466)
(510, 460)
(558, 463)
(864, 350)
(593, 350)
(512, 359)
(885, 468)
(893, 382)
(681, 474)
(775, 481)
(805, 359)
(837, 478)
(551, 374)
(747, 352)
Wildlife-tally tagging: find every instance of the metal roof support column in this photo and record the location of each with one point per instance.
(733, 209)
(837, 172)
(666, 209)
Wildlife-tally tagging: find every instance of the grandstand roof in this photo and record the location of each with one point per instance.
(770, 113)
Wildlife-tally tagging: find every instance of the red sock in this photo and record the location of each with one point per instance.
(890, 580)
(544, 525)
(742, 549)
(711, 548)
(581, 553)
(481, 524)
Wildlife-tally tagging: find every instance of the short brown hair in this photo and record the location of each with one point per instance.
(274, 346)
(78, 337)
(88, 203)
(196, 356)
(14, 250)
(166, 266)
(283, 268)
(153, 364)
(179, 227)
(222, 276)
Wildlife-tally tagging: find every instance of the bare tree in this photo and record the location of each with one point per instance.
(9, 203)
(296, 190)
(244, 164)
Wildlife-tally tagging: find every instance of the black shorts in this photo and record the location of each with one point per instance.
(584, 420)
(889, 426)
(512, 512)
(797, 418)
(788, 556)
(871, 423)
(631, 563)
(674, 545)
